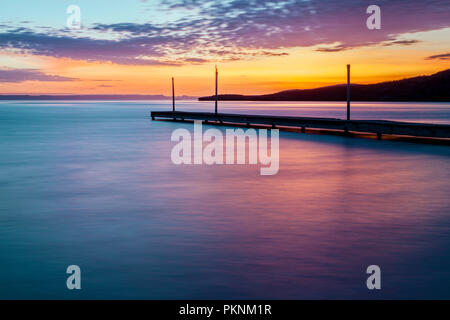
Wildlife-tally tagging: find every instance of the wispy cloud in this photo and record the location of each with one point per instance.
(134, 51)
(401, 42)
(341, 47)
(22, 75)
(270, 54)
(445, 56)
(335, 48)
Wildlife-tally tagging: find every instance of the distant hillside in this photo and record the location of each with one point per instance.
(92, 97)
(424, 88)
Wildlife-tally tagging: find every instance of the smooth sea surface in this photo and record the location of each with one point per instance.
(92, 184)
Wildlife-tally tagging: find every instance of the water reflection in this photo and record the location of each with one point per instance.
(93, 184)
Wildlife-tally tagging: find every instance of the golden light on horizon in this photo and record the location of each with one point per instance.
(302, 68)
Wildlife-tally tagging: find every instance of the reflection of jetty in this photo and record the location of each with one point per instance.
(378, 127)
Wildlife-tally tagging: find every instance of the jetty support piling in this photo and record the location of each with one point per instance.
(348, 92)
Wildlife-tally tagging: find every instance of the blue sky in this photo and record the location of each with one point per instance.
(51, 13)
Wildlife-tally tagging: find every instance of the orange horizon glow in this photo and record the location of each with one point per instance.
(302, 68)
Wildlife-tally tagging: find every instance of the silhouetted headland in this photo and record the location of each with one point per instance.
(434, 88)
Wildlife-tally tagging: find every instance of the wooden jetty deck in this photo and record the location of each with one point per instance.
(378, 127)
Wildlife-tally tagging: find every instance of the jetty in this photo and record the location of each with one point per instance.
(378, 127)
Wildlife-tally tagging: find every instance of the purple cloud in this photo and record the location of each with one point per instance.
(22, 75)
(272, 24)
(445, 56)
(235, 29)
(127, 51)
(401, 42)
(335, 48)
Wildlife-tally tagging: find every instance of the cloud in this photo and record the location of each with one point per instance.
(22, 75)
(401, 42)
(134, 51)
(270, 54)
(335, 48)
(196, 60)
(445, 56)
(201, 31)
(268, 24)
(341, 47)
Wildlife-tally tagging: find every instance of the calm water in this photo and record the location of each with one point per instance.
(92, 184)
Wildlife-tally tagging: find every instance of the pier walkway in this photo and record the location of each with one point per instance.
(379, 127)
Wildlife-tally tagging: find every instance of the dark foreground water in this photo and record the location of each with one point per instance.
(92, 184)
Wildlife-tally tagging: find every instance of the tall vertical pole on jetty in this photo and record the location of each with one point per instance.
(173, 94)
(348, 92)
(216, 89)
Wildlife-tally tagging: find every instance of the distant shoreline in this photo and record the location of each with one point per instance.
(92, 97)
(432, 88)
(57, 98)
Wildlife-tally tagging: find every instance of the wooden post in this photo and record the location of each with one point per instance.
(173, 94)
(348, 92)
(216, 89)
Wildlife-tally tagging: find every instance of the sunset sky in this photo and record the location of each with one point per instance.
(260, 46)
